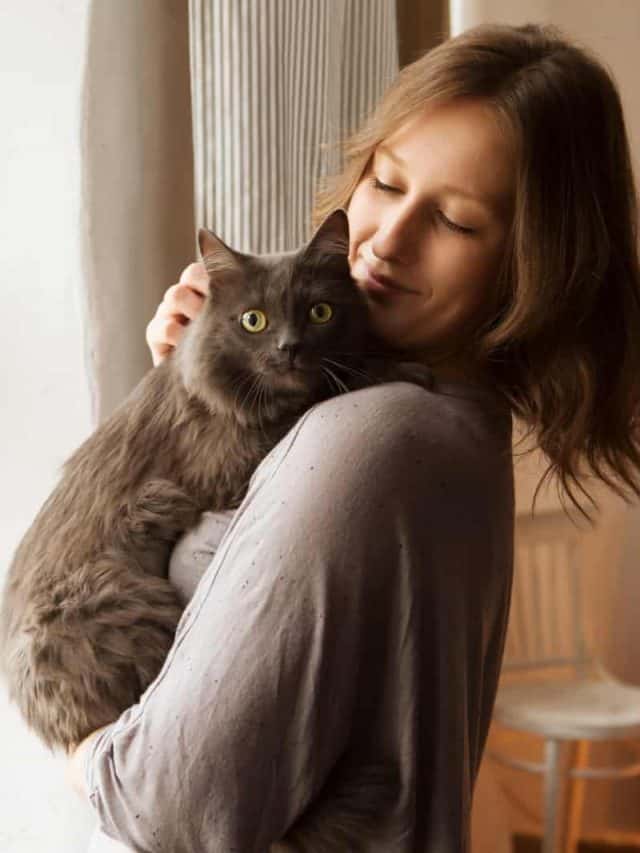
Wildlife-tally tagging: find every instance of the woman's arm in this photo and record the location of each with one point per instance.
(190, 557)
(254, 705)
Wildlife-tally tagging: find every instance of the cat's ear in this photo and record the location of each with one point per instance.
(332, 235)
(218, 258)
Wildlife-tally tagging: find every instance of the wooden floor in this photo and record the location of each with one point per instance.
(531, 844)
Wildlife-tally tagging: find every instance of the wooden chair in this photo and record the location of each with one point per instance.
(546, 636)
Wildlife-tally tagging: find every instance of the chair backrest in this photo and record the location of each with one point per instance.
(546, 621)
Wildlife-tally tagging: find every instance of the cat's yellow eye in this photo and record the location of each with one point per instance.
(254, 320)
(321, 312)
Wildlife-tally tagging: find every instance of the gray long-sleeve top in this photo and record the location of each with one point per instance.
(341, 652)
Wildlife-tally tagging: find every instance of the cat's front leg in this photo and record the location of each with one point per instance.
(152, 521)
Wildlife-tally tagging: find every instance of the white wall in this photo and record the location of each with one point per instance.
(45, 386)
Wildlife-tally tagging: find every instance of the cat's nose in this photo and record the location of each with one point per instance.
(290, 347)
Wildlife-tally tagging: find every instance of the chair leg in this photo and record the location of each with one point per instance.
(575, 803)
(556, 782)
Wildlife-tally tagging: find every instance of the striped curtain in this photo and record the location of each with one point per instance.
(275, 84)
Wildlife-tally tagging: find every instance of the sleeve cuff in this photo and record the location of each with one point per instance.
(87, 764)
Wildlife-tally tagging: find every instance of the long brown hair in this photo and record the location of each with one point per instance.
(563, 346)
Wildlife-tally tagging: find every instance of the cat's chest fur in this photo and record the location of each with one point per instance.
(213, 456)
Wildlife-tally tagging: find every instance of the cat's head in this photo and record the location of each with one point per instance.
(275, 330)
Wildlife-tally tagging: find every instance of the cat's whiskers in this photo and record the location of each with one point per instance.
(267, 392)
(237, 386)
(256, 394)
(253, 398)
(241, 384)
(348, 368)
(340, 385)
(262, 391)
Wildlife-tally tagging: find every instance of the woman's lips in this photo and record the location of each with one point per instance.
(382, 284)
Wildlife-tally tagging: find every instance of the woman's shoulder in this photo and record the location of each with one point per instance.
(383, 429)
(403, 411)
(396, 443)
(390, 402)
(392, 423)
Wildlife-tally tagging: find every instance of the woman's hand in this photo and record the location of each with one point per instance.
(180, 304)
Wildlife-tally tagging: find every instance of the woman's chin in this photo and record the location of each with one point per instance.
(388, 332)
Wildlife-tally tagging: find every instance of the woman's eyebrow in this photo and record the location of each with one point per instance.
(486, 202)
(391, 155)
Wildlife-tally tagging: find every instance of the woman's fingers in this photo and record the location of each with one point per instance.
(180, 299)
(181, 303)
(162, 335)
(195, 275)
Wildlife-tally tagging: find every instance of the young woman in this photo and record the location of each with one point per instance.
(334, 678)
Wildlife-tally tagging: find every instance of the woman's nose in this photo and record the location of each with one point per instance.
(396, 238)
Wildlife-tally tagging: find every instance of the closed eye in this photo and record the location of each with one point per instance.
(378, 185)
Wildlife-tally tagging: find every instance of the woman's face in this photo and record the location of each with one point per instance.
(447, 169)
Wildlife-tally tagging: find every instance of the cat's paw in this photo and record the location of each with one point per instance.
(148, 527)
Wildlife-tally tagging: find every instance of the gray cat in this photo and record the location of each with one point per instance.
(88, 614)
